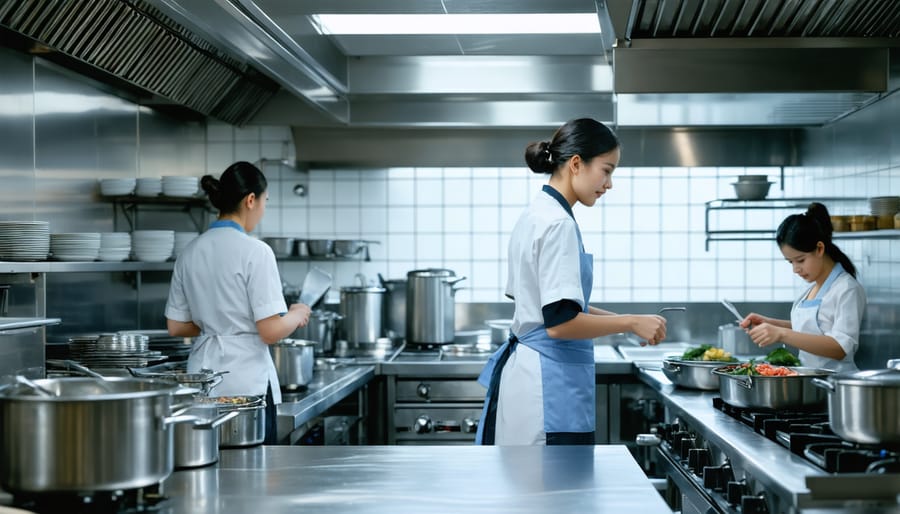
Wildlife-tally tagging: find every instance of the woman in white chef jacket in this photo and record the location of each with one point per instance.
(825, 320)
(226, 292)
(541, 382)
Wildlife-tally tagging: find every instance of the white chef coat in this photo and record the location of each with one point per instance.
(544, 265)
(839, 316)
(225, 281)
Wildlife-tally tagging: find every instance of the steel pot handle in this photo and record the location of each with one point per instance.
(674, 368)
(824, 384)
(221, 419)
(451, 282)
(182, 418)
(746, 382)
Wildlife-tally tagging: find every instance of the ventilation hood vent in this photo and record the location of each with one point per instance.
(132, 44)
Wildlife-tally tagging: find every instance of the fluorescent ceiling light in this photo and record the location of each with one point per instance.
(456, 24)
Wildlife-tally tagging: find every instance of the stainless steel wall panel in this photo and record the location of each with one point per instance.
(16, 137)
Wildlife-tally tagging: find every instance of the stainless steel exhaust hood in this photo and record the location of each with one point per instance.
(750, 62)
(135, 48)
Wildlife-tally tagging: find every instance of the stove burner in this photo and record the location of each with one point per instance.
(147, 499)
(809, 435)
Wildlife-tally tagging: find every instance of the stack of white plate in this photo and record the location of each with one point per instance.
(884, 205)
(117, 186)
(182, 239)
(148, 187)
(24, 240)
(153, 245)
(75, 246)
(115, 246)
(180, 186)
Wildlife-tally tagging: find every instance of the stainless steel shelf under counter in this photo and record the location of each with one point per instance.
(420, 480)
(328, 387)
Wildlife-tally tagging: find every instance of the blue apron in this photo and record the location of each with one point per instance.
(567, 368)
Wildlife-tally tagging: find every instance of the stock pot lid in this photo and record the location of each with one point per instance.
(360, 289)
(91, 389)
(431, 272)
(874, 377)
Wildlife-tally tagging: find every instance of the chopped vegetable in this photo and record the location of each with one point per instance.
(782, 357)
(762, 369)
(707, 352)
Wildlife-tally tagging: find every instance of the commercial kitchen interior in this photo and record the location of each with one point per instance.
(62, 129)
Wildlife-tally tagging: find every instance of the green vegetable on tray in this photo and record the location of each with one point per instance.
(695, 353)
(706, 352)
(782, 357)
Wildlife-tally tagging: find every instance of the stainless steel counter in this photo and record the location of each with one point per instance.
(419, 480)
(327, 387)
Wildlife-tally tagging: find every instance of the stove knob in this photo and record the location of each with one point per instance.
(470, 426)
(754, 505)
(647, 440)
(687, 444)
(675, 439)
(422, 424)
(423, 390)
(698, 458)
(734, 491)
(716, 477)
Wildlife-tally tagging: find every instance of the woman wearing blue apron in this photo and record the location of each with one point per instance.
(541, 382)
(226, 293)
(825, 320)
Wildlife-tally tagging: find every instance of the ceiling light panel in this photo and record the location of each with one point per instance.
(457, 24)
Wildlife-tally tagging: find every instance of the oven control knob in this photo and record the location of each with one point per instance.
(647, 440)
(422, 425)
(675, 439)
(715, 477)
(698, 458)
(470, 426)
(734, 491)
(423, 390)
(687, 444)
(754, 505)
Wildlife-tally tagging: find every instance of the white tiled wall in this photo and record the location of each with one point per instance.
(647, 234)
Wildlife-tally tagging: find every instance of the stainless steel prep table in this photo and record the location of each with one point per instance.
(327, 387)
(419, 480)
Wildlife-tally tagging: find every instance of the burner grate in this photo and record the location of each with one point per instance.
(142, 500)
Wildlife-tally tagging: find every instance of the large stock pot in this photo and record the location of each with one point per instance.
(197, 443)
(294, 361)
(363, 310)
(431, 300)
(864, 406)
(85, 434)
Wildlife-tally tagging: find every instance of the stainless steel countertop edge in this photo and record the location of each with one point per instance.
(335, 384)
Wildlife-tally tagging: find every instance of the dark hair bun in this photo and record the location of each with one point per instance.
(213, 189)
(819, 213)
(538, 157)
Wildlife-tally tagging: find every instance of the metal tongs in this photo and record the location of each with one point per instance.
(630, 339)
(732, 309)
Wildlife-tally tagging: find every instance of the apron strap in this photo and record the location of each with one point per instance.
(493, 394)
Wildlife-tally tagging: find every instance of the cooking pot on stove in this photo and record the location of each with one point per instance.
(83, 434)
(363, 310)
(767, 392)
(320, 330)
(864, 406)
(431, 300)
(294, 361)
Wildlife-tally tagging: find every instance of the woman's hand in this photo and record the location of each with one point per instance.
(752, 319)
(764, 334)
(302, 311)
(651, 328)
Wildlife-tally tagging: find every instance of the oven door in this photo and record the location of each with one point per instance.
(683, 492)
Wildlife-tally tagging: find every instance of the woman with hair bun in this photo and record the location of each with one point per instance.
(825, 320)
(541, 382)
(226, 292)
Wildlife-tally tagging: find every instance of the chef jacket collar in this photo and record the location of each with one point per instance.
(227, 223)
(559, 198)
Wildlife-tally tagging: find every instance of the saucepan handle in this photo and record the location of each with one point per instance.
(824, 384)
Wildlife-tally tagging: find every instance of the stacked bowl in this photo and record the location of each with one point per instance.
(76, 246)
(153, 245)
(148, 187)
(884, 208)
(752, 187)
(117, 186)
(115, 246)
(180, 186)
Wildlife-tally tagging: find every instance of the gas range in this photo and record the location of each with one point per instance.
(759, 461)
(126, 501)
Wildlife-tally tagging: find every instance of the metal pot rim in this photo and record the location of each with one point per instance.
(160, 388)
(295, 343)
(363, 289)
(698, 364)
(868, 378)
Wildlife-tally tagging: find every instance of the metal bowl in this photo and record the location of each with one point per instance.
(348, 247)
(752, 190)
(281, 246)
(320, 247)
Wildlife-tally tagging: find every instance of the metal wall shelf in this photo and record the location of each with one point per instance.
(197, 207)
(82, 267)
(726, 204)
